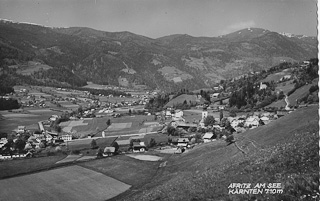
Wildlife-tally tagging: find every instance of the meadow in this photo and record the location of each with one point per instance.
(67, 183)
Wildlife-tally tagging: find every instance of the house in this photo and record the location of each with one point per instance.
(251, 122)
(204, 114)
(3, 141)
(178, 113)
(265, 119)
(109, 151)
(21, 129)
(180, 124)
(235, 123)
(182, 142)
(66, 137)
(208, 137)
(281, 113)
(286, 77)
(180, 119)
(214, 95)
(139, 147)
(54, 117)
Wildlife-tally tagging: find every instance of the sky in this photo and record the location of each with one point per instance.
(157, 18)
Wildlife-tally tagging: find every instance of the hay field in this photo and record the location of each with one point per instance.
(119, 126)
(69, 183)
(86, 143)
(126, 169)
(137, 122)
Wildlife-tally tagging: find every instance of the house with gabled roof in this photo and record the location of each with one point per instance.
(208, 137)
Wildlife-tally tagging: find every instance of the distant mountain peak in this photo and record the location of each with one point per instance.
(247, 33)
(290, 35)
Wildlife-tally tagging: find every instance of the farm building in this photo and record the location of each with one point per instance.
(184, 125)
(109, 151)
(252, 122)
(21, 129)
(178, 113)
(208, 137)
(180, 142)
(66, 137)
(139, 147)
(265, 120)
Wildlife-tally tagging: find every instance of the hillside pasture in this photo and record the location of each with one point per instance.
(125, 169)
(32, 67)
(184, 97)
(68, 183)
(27, 165)
(277, 76)
(301, 92)
(206, 171)
(285, 87)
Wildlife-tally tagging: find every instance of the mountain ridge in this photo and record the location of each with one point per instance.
(169, 62)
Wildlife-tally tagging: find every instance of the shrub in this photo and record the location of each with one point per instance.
(152, 142)
(93, 144)
(99, 153)
(209, 121)
(75, 152)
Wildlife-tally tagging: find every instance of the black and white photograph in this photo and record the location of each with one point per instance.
(159, 100)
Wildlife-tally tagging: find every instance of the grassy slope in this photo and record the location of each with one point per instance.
(299, 93)
(24, 166)
(126, 169)
(206, 171)
(180, 99)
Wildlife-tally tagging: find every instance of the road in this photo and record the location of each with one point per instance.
(287, 103)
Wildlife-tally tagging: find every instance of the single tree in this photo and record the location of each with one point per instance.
(152, 142)
(93, 144)
(116, 146)
(209, 121)
(19, 145)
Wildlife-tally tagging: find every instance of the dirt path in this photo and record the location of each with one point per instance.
(287, 103)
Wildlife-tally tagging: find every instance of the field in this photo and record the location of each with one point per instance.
(277, 76)
(125, 169)
(24, 166)
(184, 97)
(299, 93)
(86, 143)
(119, 126)
(68, 183)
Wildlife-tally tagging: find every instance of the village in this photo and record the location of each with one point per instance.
(183, 129)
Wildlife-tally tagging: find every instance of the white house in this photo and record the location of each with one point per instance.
(235, 123)
(183, 142)
(251, 121)
(66, 137)
(262, 86)
(21, 129)
(265, 119)
(208, 137)
(214, 95)
(178, 113)
(204, 114)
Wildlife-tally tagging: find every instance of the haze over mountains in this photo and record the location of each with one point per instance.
(127, 59)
